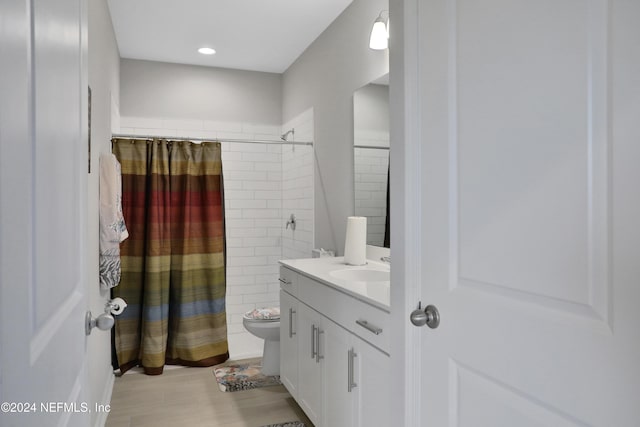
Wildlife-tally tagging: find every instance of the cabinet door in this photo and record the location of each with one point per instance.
(309, 366)
(289, 343)
(372, 370)
(338, 400)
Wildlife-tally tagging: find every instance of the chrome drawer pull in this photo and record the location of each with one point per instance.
(368, 327)
(284, 281)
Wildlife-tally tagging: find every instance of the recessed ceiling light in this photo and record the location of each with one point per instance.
(206, 51)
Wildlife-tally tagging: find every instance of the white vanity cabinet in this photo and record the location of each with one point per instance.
(332, 370)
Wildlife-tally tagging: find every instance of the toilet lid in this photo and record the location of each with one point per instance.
(267, 313)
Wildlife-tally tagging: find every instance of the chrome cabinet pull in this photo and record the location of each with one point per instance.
(291, 313)
(318, 355)
(368, 327)
(349, 369)
(284, 281)
(351, 383)
(313, 342)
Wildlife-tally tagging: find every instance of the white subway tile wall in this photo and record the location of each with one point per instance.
(258, 184)
(297, 188)
(371, 169)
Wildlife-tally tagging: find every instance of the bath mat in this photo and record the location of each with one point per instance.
(243, 376)
(289, 424)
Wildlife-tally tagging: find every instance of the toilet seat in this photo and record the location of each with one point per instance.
(265, 314)
(265, 323)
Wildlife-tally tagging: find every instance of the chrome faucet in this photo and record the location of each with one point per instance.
(386, 259)
(292, 222)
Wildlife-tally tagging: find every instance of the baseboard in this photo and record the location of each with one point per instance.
(246, 355)
(101, 419)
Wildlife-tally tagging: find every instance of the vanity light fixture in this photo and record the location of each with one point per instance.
(379, 39)
(207, 51)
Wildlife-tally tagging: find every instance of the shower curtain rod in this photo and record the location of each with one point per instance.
(186, 138)
(375, 147)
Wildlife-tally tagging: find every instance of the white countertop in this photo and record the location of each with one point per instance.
(374, 293)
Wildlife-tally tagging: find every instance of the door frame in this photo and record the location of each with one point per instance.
(406, 200)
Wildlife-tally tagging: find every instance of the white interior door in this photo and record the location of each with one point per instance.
(526, 143)
(43, 175)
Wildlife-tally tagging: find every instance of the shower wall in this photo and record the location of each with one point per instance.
(297, 187)
(264, 184)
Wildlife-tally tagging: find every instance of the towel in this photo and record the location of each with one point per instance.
(113, 230)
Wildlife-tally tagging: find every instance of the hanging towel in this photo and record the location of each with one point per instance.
(112, 227)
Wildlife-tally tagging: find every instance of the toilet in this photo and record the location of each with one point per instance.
(265, 323)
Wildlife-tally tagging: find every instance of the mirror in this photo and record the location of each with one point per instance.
(371, 158)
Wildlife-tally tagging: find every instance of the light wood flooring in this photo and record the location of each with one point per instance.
(190, 397)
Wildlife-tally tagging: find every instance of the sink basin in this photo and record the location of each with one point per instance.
(361, 275)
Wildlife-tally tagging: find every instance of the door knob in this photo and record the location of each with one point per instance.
(429, 316)
(104, 321)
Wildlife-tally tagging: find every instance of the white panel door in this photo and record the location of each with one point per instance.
(338, 401)
(372, 375)
(289, 343)
(309, 363)
(527, 172)
(43, 174)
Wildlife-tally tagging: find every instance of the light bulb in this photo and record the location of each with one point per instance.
(379, 37)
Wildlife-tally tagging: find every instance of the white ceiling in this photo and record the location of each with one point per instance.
(259, 35)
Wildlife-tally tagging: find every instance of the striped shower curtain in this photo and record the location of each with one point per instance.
(173, 264)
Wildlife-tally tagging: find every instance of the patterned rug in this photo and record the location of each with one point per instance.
(289, 424)
(243, 376)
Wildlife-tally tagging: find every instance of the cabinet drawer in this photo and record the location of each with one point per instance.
(366, 321)
(288, 281)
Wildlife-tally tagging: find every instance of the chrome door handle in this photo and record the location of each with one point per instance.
(430, 316)
(104, 322)
(368, 327)
(351, 384)
(291, 313)
(284, 281)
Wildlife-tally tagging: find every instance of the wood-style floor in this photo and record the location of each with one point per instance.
(190, 397)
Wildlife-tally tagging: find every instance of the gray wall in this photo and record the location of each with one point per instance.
(371, 109)
(104, 72)
(324, 77)
(164, 90)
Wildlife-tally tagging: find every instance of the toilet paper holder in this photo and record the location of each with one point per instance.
(115, 306)
(104, 321)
